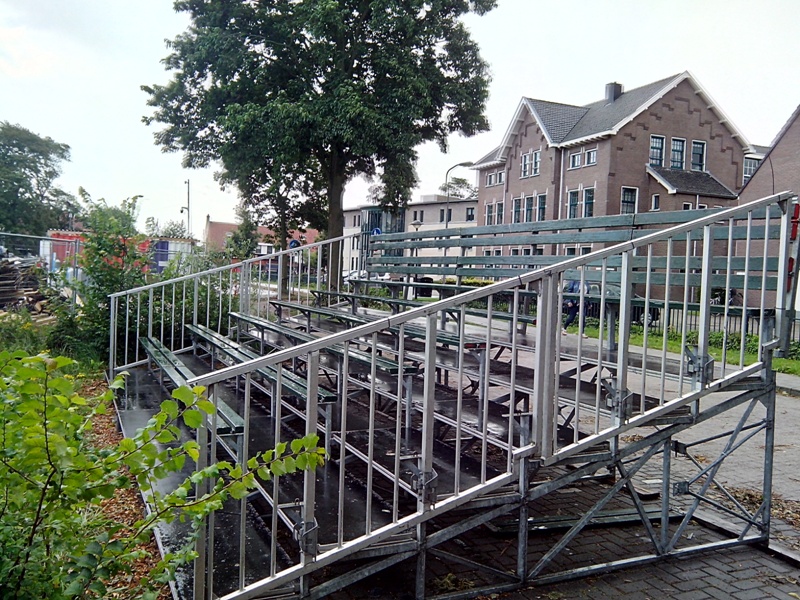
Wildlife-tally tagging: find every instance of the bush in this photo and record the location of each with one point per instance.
(18, 331)
(54, 542)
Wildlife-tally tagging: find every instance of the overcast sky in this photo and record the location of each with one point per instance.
(71, 70)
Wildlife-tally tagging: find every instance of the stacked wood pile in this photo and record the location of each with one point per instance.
(19, 284)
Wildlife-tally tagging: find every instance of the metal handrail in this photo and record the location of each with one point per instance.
(483, 292)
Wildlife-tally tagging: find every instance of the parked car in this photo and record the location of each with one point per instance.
(350, 277)
(613, 292)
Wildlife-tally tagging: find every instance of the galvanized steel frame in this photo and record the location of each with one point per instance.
(530, 441)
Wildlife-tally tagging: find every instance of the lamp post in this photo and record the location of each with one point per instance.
(447, 190)
(188, 214)
(447, 203)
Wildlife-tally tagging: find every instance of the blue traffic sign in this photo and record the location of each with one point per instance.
(376, 231)
(294, 244)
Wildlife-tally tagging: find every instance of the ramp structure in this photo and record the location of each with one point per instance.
(470, 416)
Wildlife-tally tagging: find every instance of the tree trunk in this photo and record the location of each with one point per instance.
(283, 236)
(336, 181)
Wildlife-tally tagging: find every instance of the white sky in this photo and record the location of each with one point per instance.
(71, 70)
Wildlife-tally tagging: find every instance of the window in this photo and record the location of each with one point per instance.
(441, 215)
(470, 213)
(541, 208)
(499, 213)
(449, 215)
(537, 159)
(627, 205)
(490, 214)
(657, 150)
(517, 216)
(415, 216)
(698, 156)
(529, 209)
(586, 250)
(687, 206)
(526, 251)
(495, 178)
(575, 160)
(591, 157)
(354, 243)
(571, 251)
(572, 205)
(588, 202)
(655, 202)
(676, 157)
(702, 206)
(525, 165)
(515, 252)
(750, 166)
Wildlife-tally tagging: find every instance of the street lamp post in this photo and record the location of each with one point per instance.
(188, 213)
(447, 203)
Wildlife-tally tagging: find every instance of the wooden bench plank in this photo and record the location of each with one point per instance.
(384, 364)
(240, 353)
(179, 374)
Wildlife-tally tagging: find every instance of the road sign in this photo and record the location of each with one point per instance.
(376, 231)
(294, 244)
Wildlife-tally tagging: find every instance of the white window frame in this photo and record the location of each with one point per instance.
(583, 212)
(663, 147)
(683, 154)
(517, 214)
(501, 177)
(749, 166)
(529, 208)
(655, 202)
(489, 214)
(575, 160)
(526, 164)
(499, 213)
(470, 214)
(703, 166)
(576, 194)
(688, 206)
(537, 163)
(591, 157)
(539, 207)
(635, 202)
(490, 179)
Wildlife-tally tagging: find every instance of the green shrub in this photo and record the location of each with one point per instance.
(54, 541)
(18, 331)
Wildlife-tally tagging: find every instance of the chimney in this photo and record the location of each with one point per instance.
(613, 91)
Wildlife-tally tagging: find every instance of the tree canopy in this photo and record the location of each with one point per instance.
(341, 87)
(30, 203)
(459, 187)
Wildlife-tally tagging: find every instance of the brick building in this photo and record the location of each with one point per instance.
(662, 146)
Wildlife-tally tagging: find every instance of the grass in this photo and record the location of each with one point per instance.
(674, 344)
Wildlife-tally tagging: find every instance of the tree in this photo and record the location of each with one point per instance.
(351, 85)
(29, 165)
(460, 188)
(115, 257)
(171, 229)
(244, 241)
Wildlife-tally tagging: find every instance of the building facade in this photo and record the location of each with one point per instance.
(662, 146)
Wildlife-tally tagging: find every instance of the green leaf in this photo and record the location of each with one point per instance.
(165, 436)
(277, 468)
(184, 394)
(297, 446)
(238, 490)
(170, 407)
(192, 448)
(193, 418)
(206, 406)
(127, 445)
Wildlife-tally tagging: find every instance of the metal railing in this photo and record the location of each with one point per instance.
(446, 405)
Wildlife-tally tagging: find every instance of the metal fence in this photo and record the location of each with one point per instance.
(443, 406)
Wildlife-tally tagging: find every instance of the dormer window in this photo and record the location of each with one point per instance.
(575, 160)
